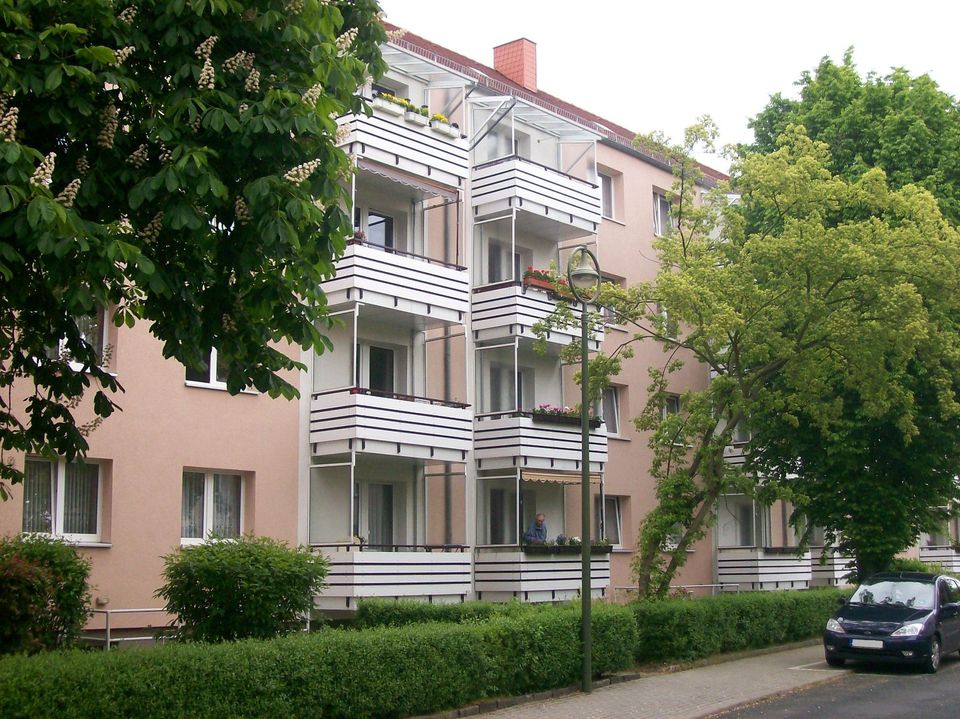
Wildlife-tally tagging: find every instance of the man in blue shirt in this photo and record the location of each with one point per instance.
(537, 531)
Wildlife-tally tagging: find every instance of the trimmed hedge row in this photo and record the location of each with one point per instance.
(382, 672)
(401, 612)
(692, 629)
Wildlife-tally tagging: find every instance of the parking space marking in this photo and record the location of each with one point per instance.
(820, 666)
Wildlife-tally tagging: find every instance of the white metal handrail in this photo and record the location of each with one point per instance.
(108, 638)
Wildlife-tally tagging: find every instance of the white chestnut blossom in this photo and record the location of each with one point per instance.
(69, 193)
(301, 172)
(43, 175)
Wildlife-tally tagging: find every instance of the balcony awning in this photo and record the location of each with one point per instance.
(558, 477)
(418, 183)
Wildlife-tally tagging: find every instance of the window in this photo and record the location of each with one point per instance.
(499, 268)
(670, 327)
(209, 373)
(741, 522)
(606, 195)
(380, 229)
(741, 433)
(381, 368)
(611, 519)
(93, 330)
(211, 505)
(62, 499)
(611, 409)
(671, 405)
(661, 214)
(380, 514)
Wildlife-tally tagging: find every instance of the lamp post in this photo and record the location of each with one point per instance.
(583, 275)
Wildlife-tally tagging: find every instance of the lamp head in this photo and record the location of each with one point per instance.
(583, 274)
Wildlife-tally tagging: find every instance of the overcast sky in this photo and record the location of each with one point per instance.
(658, 66)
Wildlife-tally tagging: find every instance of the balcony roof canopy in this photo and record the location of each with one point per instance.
(544, 120)
(417, 67)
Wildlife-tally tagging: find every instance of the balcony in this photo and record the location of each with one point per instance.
(508, 309)
(504, 573)
(945, 555)
(415, 427)
(528, 440)
(439, 573)
(391, 142)
(764, 568)
(540, 191)
(833, 570)
(399, 281)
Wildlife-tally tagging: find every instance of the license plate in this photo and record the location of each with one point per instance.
(866, 643)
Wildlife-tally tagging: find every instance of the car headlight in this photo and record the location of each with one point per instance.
(834, 626)
(909, 630)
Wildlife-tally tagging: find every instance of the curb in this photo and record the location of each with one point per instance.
(489, 705)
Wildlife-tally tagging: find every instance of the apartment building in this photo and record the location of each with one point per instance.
(420, 448)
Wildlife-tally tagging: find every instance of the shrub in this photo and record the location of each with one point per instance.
(685, 629)
(43, 593)
(401, 612)
(234, 589)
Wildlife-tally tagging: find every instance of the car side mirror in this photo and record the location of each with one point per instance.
(842, 601)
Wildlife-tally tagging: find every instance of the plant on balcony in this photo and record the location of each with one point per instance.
(555, 414)
(549, 281)
(391, 103)
(441, 123)
(417, 115)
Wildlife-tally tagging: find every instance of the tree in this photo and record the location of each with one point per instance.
(807, 281)
(177, 163)
(870, 485)
(903, 125)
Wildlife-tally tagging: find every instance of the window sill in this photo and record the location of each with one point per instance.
(90, 545)
(616, 328)
(614, 220)
(619, 438)
(214, 386)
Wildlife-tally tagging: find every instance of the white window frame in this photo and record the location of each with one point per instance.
(58, 493)
(62, 350)
(607, 188)
(671, 332)
(208, 501)
(669, 400)
(660, 223)
(617, 517)
(211, 381)
(615, 402)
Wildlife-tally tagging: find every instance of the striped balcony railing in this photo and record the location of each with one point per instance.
(764, 568)
(513, 182)
(392, 142)
(398, 425)
(945, 556)
(502, 573)
(523, 439)
(399, 281)
(508, 309)
(832, 571)
(432, 573)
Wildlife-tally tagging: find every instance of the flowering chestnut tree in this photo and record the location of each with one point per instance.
(174, 162)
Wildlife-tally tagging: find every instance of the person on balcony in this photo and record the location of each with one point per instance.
(537, 531)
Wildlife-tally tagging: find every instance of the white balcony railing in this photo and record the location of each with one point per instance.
(513, 182)
(522, 439)
(833, 569)
(502, 573)
(398, 425)
(507, 309)
(764, 568)
(401, 282)
(428, 573)
(945, 556)
(395, 143)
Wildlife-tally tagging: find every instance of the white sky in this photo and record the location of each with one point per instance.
(658, 65)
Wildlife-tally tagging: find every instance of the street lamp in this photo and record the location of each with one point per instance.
(583, 275)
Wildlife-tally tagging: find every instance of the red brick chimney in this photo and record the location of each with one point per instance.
(518, 61)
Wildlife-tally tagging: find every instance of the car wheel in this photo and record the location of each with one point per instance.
(933, 661)
(835, 661)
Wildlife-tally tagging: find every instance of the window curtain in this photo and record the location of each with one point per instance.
(226, 505)
(38, 496)
(81, 488)
(191, 508)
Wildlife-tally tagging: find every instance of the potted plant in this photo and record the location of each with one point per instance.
(555, 414)
(390, 104)
(441, 123)
(542, 279)
(417, 115)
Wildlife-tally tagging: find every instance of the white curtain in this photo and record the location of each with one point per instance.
(81, 487)
(226, 505)
(38, 496)
(191, 507)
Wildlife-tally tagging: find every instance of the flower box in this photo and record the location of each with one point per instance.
(443, 128)
(389, 107)
(416, 118)
(566, 419)
(538, 283)
(574, 549)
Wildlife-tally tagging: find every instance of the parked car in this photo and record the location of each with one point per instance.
(907, 617)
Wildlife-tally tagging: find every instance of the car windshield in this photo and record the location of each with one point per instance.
(917, 595)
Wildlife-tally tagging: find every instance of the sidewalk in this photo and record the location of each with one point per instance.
(688, 694)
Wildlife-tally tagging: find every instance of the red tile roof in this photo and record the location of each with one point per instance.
(501, 83)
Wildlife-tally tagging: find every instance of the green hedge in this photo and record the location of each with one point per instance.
(399, 613)
(694, 628)
(382, 672)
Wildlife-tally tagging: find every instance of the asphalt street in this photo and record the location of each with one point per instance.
(866, 692)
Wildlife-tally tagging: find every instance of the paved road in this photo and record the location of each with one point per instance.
(868, 692)
(688, 694)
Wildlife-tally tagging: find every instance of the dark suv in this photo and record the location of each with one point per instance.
(910, 617)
